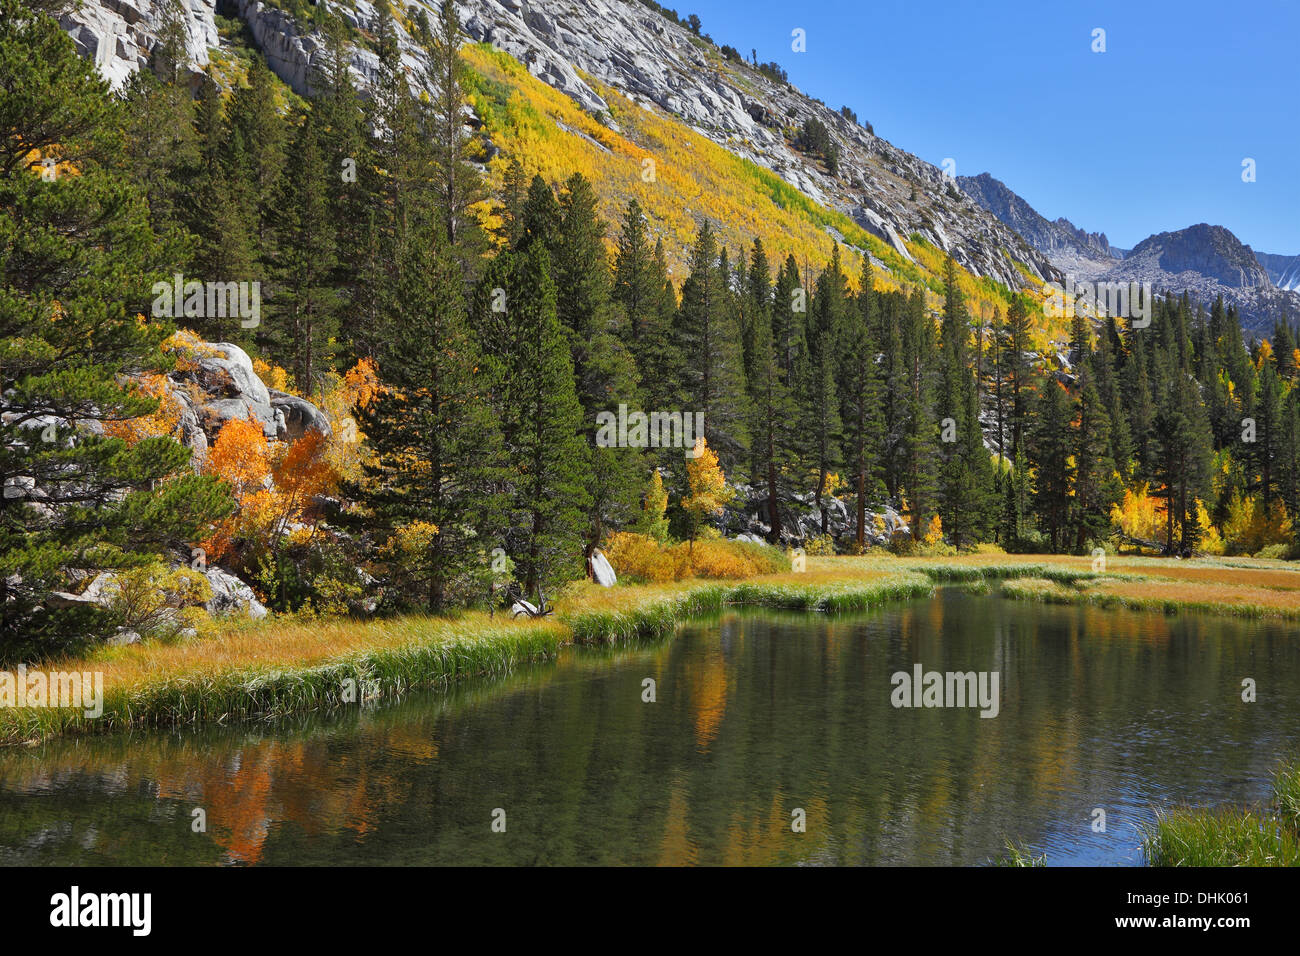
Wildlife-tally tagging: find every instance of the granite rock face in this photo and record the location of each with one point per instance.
(120, 34)
(655, 62)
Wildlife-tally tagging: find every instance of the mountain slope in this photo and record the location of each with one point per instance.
(591, 49)
(1283, 271)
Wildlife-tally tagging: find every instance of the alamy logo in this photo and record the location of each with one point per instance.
(1127, 300)
(179, 299)
(72, 909)
(77, 689)
(950, 689)
(656, 430)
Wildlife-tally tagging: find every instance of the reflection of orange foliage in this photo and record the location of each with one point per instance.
(164, 420)
(709, 692)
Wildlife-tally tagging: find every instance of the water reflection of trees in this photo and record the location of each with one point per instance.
(756, 715)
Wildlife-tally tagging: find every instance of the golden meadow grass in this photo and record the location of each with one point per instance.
(290, 665)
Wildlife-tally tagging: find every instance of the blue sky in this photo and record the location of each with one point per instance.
(1146, 137)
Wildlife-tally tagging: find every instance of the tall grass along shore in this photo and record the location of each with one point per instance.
(284, 666)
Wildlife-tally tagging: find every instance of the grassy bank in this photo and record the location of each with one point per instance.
(282, 666)
(1238, 595)
(278, 668)
(1269, 836)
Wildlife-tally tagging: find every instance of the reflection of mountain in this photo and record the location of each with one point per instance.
(756, 715)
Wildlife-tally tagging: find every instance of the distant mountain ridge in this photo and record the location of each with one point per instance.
(1050, 238)
(1206, 261)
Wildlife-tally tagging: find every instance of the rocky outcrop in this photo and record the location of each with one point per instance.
(658, 63)
(230, 595)
(119, 35)
(746, 519)
(218, 383)
(296, 417)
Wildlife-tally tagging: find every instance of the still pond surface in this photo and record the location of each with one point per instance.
(756, 715)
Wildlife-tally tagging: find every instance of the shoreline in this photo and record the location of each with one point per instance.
(277, 668)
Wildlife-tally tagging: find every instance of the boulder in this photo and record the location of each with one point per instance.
(299, 416)
(601, 569)
(236, 390)
(232, 596)
(231, 374)
(98, 592)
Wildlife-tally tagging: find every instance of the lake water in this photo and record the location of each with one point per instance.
(757, 716)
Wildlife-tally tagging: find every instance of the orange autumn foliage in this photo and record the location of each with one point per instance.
(164, 420)
(273, 486)
(240, 456)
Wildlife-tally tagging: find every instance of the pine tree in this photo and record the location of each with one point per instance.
(966, 472)
(789, 315)
(920, 429)
(709, 343)
(216, 214)
(344, 146)
(1096, 487)
(818, 389)
(604, 368)
(436, 448)
(514, 193)
(860, 394)
(1051, 451)
(1183, 448)
(543, 431)
(456, 182)
(161, 144)
(769, 397)
(304, 254)
(75, 278)
(257, 136)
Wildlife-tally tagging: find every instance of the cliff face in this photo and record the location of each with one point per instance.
(1283, 271)
(118, 34)
(1059, 238)
(625, 45)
